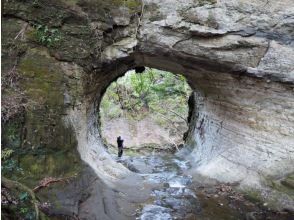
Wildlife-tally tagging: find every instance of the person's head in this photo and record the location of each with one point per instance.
(119, 137)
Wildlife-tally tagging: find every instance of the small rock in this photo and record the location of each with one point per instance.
(166, 185)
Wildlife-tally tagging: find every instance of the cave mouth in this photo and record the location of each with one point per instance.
(148, 108)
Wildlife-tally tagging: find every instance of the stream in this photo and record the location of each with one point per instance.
(176, 196)
(172, 199)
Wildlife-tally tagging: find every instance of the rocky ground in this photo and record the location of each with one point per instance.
(237, 55)
(226, 202)
(176, 195)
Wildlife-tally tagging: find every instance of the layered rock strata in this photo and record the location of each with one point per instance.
(236, 55)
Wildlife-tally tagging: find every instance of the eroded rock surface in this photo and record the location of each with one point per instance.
(237, 56)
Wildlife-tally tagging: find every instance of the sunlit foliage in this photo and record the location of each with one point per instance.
(137, 94)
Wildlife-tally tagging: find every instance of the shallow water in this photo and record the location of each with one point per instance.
(176, 196)
(172, 199)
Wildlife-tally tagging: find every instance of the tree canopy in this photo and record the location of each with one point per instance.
(152, 92)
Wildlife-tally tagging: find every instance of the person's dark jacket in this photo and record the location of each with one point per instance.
(120, 143)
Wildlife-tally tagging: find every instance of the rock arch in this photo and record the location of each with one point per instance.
(237, 56)
(230, 129)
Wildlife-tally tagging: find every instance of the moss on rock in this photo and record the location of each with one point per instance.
(206, 2)
(45, 146)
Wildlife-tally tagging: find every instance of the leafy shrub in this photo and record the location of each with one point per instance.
(152, 92)
(6, 153)
(23, 196)
(46, 36)
(8, 165)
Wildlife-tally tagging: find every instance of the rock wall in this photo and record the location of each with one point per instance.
(244, 128)
(237, 56)
(239, 62)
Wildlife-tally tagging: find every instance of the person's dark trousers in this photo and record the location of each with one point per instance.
(120, 151)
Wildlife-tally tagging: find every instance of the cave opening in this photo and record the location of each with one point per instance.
(149, 109)
(238, 58)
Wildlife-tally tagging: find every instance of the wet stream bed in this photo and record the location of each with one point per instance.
(176, 196)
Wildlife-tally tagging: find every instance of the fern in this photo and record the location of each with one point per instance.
(6, 153)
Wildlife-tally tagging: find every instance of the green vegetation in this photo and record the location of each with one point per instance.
(154, 95)
(289, 181)
(20, 175)
(30, 150)
(152, 92)
(9, 165)
(16, 201)
(10, 145)
(47, 36)
(131, 4)
(253, 195)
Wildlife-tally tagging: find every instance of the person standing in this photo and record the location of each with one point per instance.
(120, 146)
